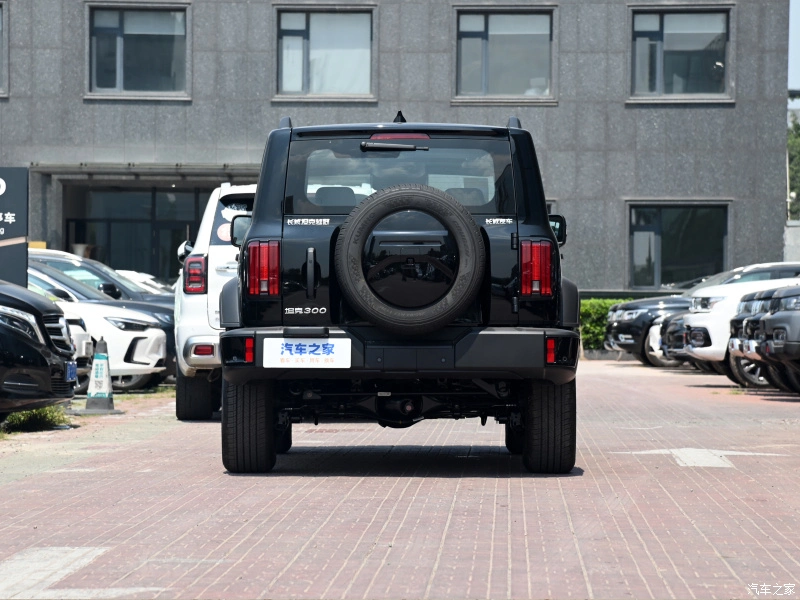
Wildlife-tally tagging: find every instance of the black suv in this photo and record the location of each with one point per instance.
(397, 272)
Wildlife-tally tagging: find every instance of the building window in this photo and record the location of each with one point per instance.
(504, 54)
(680, 53)
(324, 53)
(675, 244)
(138, 50)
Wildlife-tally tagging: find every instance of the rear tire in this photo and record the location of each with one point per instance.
(195, 398)
(283, 439)
(550, 427)
(248, 431)
(747, 373)
(515, 439)
(792, 379)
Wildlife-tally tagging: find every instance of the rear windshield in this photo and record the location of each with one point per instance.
(332, 176)
(228, 207)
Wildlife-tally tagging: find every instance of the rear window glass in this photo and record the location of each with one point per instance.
(333, 176)
(228, 207)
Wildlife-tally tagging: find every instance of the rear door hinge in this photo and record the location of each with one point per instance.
(514, 241)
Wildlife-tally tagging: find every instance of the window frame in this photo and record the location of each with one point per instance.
(307, 8)
(3, 49)
(123, 5)
(725, 203)
(727, 7)
(471, 8)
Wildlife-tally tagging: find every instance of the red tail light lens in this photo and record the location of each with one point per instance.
(534, 264)
(249, 350)
(551, 351)
(194, 275)
(400, 136)
(264, 268)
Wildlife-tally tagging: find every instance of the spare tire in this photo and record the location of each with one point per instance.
(410, 259)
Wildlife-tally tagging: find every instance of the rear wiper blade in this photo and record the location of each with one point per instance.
(395, 147)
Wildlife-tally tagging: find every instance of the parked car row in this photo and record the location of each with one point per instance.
(136, 323)
(745, 325)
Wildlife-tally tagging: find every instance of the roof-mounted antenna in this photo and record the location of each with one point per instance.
(514, 122)
(286, 123)
(399, 118)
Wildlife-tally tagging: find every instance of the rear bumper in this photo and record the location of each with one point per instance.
(472, 353)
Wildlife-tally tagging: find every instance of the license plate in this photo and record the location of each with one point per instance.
(72, 371)
(307, 353)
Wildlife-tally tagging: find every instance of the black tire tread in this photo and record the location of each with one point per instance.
(248, 434)
(550, 427)
(194, 398)
(515, 439)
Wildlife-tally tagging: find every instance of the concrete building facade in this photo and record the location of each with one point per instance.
(660, 125)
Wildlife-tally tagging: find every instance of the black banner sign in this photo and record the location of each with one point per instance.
(14, 225)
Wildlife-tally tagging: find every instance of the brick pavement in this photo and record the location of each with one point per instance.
(139, 505)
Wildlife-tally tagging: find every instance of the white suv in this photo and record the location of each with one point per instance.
(207, 266)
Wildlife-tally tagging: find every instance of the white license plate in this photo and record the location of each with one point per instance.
(307, 353)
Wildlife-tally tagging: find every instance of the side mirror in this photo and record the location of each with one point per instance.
(559, 226)
(184, 250)
(60, 294)
(110, 289)
(239, 227)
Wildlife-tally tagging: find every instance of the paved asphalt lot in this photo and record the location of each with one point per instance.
(685, 487)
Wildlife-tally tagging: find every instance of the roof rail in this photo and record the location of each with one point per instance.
(514, 122)
(286, 123)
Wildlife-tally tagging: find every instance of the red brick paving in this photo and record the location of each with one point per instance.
(439, 510)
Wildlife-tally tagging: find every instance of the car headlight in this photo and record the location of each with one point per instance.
(165, 318)
(130, 324)
(704, 303)
(790, 303)
(22, 321)
(630, 315)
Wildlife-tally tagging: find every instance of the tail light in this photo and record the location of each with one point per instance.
(194, 275)
(535, 275)
(551, 351)
(263, 268)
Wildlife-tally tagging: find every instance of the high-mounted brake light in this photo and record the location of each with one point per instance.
(263, 269)
(400, 136)
(534, 264)
(194, 275)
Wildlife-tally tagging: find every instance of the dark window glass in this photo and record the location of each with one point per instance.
(679, 53)
(674, 244)
(138, 50)
(175, 206)
(504, 54)
(332, 176)
(132, 204)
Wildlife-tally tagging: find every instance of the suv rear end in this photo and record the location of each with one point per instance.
(400, 272)
(210, 264)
